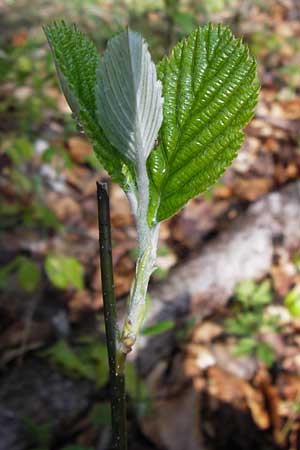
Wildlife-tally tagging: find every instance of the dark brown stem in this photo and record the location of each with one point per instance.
(115, 360)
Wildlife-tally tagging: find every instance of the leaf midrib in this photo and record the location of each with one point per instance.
(204, 125)
(204, 82)
(237, 128)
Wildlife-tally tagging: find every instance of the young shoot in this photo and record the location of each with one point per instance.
(165, 133)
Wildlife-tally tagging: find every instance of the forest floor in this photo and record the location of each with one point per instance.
(221, 367)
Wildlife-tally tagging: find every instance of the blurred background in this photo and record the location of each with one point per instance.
(218, 364)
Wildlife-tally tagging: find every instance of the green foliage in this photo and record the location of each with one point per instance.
(292, 301)
(38, 214)
(76, 60)
(185, 21)
(251, 294)
(209, 95)
(265, 41)
(89, 360)
(249, 320)
(20, 151)
(100, 414)
(160, 274)
(39, 432)
(51, 151)
(27, 273)
(64, 271)
(21, 174)
(209, 91)
(157, 328)
(137, 390)
(265, 352)
(184, 333)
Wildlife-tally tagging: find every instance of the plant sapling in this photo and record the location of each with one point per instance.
(165, 133)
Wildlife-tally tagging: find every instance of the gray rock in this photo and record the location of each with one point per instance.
(243, 251)
(38, 392)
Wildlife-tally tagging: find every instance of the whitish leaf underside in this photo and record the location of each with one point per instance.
(129, 96)
(209, 95)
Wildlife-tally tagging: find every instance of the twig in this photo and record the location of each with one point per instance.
(115, 359)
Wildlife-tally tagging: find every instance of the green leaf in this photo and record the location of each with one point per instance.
(158, 328)
(265, 353)
(21, 151)
(209, 95)
(95, 353)
(28, 275)
(76, 60)
(63, 355)
(245, 346)
(263, 294)
(7, 269)
(244, 291)
(233, 326)
(185, 21)
(40, 213)
(64, 271)
(137, 389)
(292, 301)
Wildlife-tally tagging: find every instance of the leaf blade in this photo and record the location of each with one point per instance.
(76, 60)
(128, 96)
(210, 95)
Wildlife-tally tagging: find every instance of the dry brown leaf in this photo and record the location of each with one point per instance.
(79, 149)
(240, 394)
(78, 176)
(121, 214)
(65, 208)
(174, 422)
(194, 222)
(19, 38)
(123, 283)
(84, 301)
(256, 403)
(282, 278)
(206, 331)
(251, 189)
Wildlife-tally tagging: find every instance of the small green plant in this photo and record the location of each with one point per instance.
(87, 360)
(64, 271)
(249, 321)
(158, 328)
(27, 273)
(165, 134)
